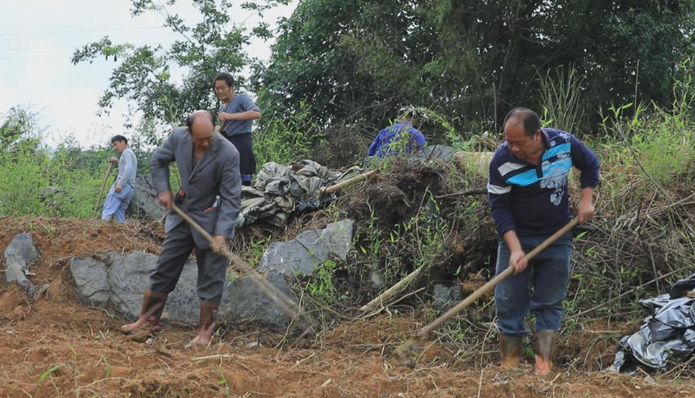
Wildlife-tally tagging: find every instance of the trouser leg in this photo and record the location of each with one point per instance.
(124, 196)
(551, 271)
(511, 296)
(177, 247)
(111, 204)
(212, 271)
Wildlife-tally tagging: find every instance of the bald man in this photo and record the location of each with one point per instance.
(210, 193)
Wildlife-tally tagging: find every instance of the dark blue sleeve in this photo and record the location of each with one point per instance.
(499, 195)
(586, 161)
(376, 144)
(420, 140)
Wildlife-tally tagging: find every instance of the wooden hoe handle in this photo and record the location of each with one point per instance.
(484, 289)
(286, 304)
(103, 184)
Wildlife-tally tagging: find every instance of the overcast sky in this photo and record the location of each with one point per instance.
(38, 37)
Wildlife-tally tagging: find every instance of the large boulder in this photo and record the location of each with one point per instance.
(119, 280)
(145, 205)
(244, 301)
(18, 255)
(309, 249)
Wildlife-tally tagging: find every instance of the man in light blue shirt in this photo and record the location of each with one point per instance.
(237, 114)
(122, 190)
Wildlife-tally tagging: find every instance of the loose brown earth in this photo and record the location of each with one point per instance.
(56, 347)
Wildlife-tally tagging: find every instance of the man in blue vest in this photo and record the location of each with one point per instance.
(528, 194)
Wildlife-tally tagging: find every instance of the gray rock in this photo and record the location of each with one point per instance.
(145, 205)
(14, 272)
(439, 152)
(21, 249)
(446, 297)
(243, 300)
(117, 280)
(311, 248)
(130, 275)
(91, 280)
(18, 255)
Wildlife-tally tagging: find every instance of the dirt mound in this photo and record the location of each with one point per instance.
(396, 195)
(55, 347)
(425, 220)
(59, 239)
(388, 203)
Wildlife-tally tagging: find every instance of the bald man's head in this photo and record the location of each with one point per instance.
(201, 126)
(198, 115)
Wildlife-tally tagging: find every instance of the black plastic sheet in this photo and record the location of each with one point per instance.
(682, 287)
(667, 336)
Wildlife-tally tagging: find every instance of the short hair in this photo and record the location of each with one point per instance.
(529, 118)
(118, 138)
(190, 119)
(228, 79)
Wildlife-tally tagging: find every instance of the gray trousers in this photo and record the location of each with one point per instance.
(177, 247)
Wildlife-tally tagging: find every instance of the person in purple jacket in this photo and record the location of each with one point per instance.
(528, 193)
(400, 137)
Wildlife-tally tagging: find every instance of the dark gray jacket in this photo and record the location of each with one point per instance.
(217, 173)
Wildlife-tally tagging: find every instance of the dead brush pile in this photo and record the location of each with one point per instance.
(411, 215)
(643, 237)
(641, 240)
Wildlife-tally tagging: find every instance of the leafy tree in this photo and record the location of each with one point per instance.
(205, 48)
(354, 61)
(19, 130)
(346, 65)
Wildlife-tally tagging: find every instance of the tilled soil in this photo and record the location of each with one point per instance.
(54, 347)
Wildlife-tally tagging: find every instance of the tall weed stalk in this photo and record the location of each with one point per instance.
(561, 98)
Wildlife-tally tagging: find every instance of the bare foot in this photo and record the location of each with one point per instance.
(543, 366)
(129, 328)
(204, 336)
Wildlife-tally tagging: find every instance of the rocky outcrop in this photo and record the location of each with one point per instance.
(119, 280)
(145, 205)
(309, 249)
(18, 255)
